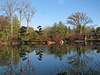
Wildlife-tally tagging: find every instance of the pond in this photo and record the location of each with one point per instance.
(57, 59)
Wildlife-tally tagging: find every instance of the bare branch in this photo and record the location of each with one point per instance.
(29, 15)
(23, 6)
(79, 19)
(9, 7)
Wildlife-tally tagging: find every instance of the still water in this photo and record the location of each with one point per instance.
(73, 58)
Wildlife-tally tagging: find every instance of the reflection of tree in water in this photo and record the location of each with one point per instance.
(13, 61)
(4, 56)
(79, 59)
(93, 47)
(22, 52)
(98, 49)
(59, 50)
(40, 53)
(15, 56)
(26, 68)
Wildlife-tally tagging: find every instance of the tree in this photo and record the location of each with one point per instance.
(55, 27)
(31, 32)
(4, 21)
(56, 37)
(46, 32)
(69, 30)
(9, 7)
(98, 30)
(6, 31)
(60, 28)
(1, 21)
(22, 31)
(28, 16)
(23, 5)
(31, 29)
(79, 19)
(16, 25)
(40, 30)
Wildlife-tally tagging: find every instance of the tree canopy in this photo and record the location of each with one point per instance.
(79, 19)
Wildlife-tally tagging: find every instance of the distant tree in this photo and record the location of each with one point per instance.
(9, 7)
(6, 30)
(98, 30)
(46, 32)
(79, 19)
(69, 30)
(4, 21)
(1, 21)
(22, 31)
(31, 32)
(56, 37)
(56, 27)
(89, 29)
(40, 30)
(16, 25)
(60, 28)
(23, 5)
(31, 29)
(28, 16)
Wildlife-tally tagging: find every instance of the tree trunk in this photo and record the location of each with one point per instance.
(83, 32)
(21, 65)
(11, 60)
(7, 34)
(20, 19)
(27, 26)
(11, 26)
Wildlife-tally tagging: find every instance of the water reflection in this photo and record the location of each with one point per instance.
(72, 58)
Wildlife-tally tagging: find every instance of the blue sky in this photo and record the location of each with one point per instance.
(51, 11)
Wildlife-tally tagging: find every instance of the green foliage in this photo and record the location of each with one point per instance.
(98, 30)
(6, 31)
(22, 31)
(16, 25)
(32, 34)
(2, 34)
(4, 21)
(56, 27)
(60, 28)
(69, 30)
(40, 30)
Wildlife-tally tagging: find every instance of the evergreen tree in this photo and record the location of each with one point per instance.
(16, 25)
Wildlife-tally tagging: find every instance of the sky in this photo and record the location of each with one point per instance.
(53, 11)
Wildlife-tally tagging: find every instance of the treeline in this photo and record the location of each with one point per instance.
(11, 28)
(55, 33)
(61, 31)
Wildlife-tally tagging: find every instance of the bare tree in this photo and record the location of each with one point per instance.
(9, 7)
(79, 19)
(28, 16)
(23, 5)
